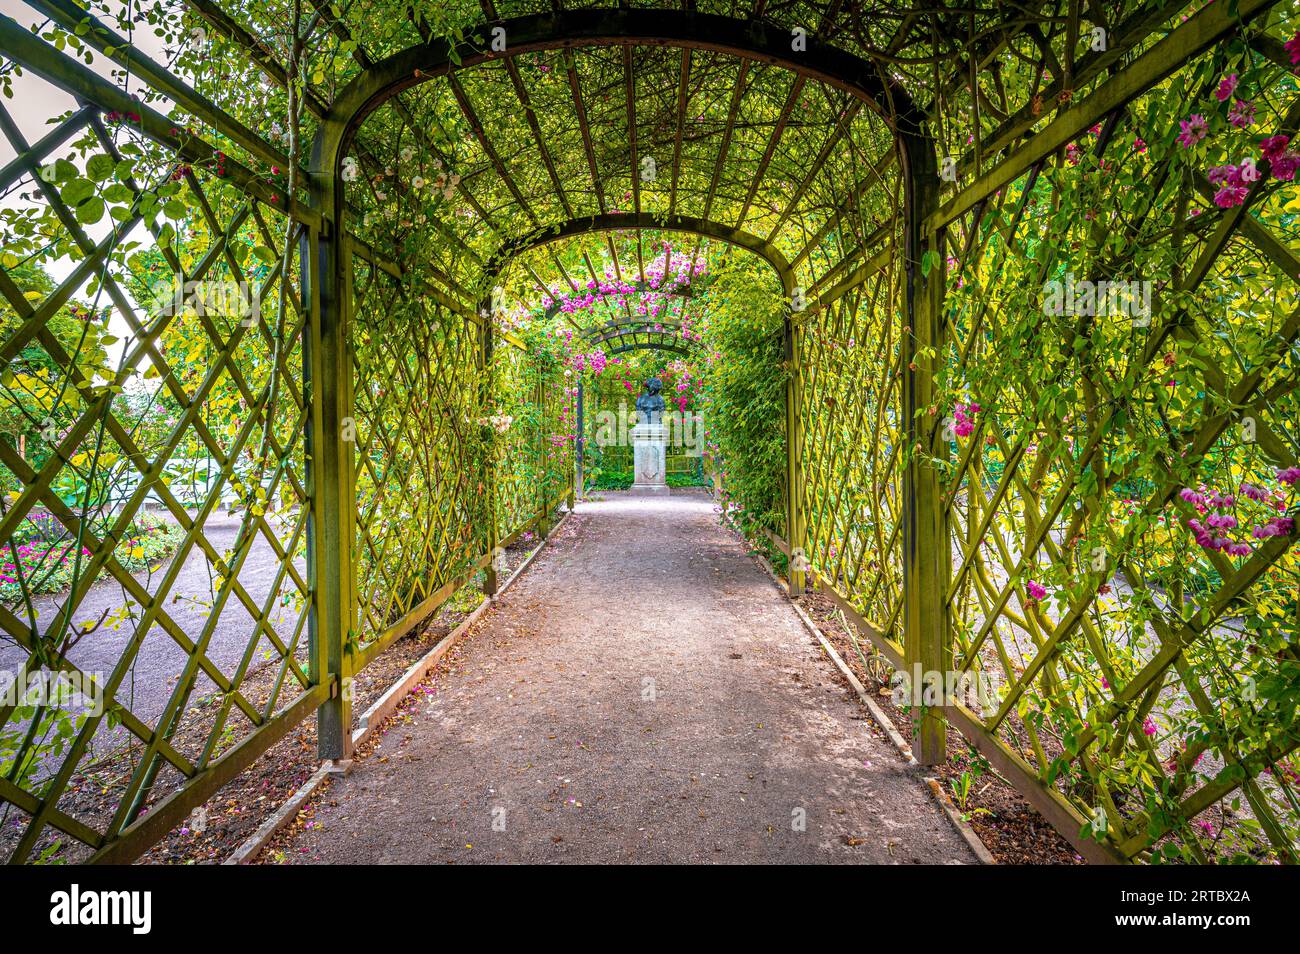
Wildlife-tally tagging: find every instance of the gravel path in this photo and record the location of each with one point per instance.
(643, 694)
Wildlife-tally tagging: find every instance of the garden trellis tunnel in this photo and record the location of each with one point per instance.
(1088, 507)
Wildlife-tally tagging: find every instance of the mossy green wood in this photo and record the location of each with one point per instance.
(873, 495)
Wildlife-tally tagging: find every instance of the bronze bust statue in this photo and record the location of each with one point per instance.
(650, 406)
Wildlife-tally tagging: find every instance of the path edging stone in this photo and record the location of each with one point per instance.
(882, 718)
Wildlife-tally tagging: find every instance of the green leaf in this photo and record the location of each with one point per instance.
(77, 191)
(928, 261)
(100, 167)
(90, 211)
(64, 170)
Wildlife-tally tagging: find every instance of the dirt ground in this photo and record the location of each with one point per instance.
(643, 694)
(1008, 825)
(235, 811)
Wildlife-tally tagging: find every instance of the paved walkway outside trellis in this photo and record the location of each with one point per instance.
(643, 694)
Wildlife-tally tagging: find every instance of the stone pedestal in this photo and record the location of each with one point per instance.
(650, 459)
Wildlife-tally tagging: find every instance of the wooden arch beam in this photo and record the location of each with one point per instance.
(749, 40)
(628, 221)
(650, 346)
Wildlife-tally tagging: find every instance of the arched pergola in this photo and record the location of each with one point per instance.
(969, 475)
(382, 83)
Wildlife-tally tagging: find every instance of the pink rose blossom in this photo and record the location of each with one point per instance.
(1282, 161)
(1242, 114)
(1274, 146)
(1285, 166)
(1231, 196)
(1194, 129)
(1277, 527)
(1292, 47)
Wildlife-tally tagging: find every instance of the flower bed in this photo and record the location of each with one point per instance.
(51, 566)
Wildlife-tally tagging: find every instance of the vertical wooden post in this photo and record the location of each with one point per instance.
(927, 555)
(486, 344)
(333, 501)
(539, 395)
(348, 466)
(795, 529)
(580, 425)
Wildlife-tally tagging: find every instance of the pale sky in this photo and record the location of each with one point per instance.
(31, 107)
(36, 100)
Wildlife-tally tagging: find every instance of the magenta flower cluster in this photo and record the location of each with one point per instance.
(1292, 47)
(595, 361)
(964, 415)
(1282, 161)
(1212, 526)
(1233, 182)
(1194, 128)
(662, 277)
(1211, 533)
